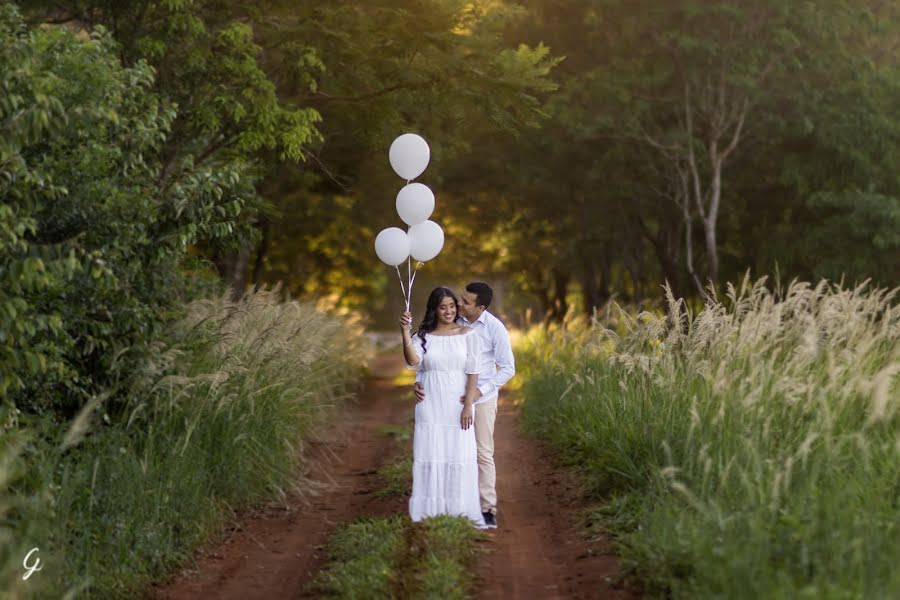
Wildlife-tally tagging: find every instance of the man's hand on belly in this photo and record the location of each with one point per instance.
(419, 389)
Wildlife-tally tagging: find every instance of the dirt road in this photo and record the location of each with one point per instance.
(273, 553)
(538, 550)
(536, 553)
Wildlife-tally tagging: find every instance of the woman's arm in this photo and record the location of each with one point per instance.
(409, 352)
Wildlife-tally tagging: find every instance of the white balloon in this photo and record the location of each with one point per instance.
(409, 155)
(392, 246)
(425, 240)
(415, 203)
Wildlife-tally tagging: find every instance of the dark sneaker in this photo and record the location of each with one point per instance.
(490, 520)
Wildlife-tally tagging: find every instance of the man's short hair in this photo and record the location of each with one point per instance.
(483, 292)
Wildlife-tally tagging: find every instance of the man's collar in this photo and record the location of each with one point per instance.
(482, 318)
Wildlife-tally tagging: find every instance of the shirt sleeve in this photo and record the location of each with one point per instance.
(473, 353)
(417, 349)
(503, 358)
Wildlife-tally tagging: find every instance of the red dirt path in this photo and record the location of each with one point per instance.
(537, 552)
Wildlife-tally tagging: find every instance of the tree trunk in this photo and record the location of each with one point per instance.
(634, 268)
(261, 252)
(560, 305)
(603, 293)
(589, 286)
(543, 295)
(712, 257)
(239, 275)
(232, 267)
(689, 255)
(668, 264)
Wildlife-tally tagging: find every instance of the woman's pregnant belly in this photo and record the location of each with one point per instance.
(443, 394)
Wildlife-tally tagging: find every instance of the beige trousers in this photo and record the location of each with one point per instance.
(485, 415)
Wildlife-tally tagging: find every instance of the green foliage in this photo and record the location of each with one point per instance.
(438, 67)
(748, 450)
(587, 198)
(98, 214)
(75, 127)
(588, 201)
(855, 232)
(334, 82)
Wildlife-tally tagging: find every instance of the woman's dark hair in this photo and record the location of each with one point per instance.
(429, 322)
(483, 293)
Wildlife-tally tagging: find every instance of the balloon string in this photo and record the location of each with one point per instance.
(402, 289)
(408, 281)
(413, 279)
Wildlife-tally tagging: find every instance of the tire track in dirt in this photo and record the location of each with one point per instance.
(538, 550)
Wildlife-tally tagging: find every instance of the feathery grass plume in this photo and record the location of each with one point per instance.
(778, 411)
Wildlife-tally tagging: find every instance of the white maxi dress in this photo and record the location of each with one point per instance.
(445, 459)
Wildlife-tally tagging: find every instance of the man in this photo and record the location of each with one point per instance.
(497, 367)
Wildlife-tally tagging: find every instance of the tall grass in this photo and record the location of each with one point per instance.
(216, 423)
(15, 540)
(751, 450)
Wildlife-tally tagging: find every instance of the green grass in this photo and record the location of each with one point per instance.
(401, 433)
(396, 477)
(395, 558)
(362, 556)
(218, 425)
(442, 567)
(751, 450)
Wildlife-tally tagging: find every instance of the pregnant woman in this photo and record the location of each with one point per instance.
(445, 464)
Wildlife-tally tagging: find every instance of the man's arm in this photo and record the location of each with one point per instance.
(503, 358)
(418, 387)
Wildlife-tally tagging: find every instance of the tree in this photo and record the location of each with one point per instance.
(439, 68)
(757, 133)
(209, 65)
(92, 247)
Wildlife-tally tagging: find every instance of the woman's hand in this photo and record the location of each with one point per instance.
(467, 418)
(409, 352)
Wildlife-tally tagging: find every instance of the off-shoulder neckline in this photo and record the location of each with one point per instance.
(467, 332)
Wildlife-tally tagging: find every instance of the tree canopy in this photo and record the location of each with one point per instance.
(581, 151)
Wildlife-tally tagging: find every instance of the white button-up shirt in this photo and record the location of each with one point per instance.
(496, 363)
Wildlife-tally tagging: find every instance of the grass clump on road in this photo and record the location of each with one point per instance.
(751, 450)
(361, 558)
(392, 557)
(396, 475)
